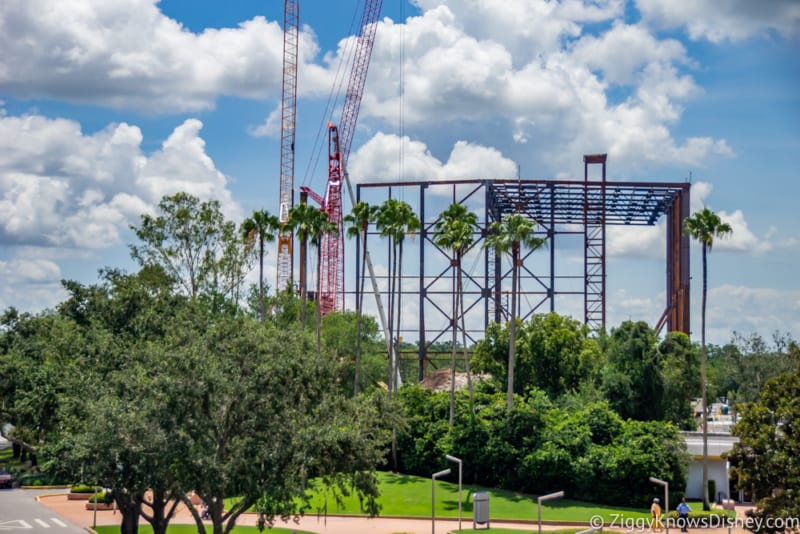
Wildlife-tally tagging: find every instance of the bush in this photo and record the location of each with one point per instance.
(102, 497)
(81, 488)
(37, 479)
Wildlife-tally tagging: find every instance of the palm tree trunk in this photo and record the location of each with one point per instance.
(319, 287)
(392, 276)
(360, 313)
(464, 340)
(261, 277)
(453, 357)
(703, 381)
(512, 330)
(398, 317)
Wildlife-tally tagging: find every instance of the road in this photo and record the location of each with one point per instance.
(20, 512)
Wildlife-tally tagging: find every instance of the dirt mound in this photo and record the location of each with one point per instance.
(439, 380)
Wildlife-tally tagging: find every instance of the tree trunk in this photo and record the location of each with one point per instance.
(512, 329)
(454, 324)
(129, 509)
(360, 313)
(261, 277)
(319, 296)
(464, 341)
(703, 380)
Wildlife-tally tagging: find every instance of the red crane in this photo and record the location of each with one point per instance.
(339, 142)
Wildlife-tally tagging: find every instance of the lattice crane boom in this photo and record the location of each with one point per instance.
(291, 17)
(340, 140)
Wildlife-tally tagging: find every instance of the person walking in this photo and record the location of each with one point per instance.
(683, 510)
(655, 514)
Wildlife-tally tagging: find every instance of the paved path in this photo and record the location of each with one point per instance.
(75, 512)
(19, 512)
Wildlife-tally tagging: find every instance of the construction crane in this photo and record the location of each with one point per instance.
(291, 17)
(339, 143)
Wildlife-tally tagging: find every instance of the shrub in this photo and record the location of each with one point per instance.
(102, 497)
(81, 488)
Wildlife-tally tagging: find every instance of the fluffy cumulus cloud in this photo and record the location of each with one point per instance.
(377, 160)
(34, 276)
(60, 187)
(719, 21)
(127, 53)
(566, 90)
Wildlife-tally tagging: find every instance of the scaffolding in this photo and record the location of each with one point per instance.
(563, 210)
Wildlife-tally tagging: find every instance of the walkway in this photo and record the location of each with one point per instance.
(76, 512)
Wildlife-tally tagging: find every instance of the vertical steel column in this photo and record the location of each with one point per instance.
(594, 227)
(551, 234)
(423, 350)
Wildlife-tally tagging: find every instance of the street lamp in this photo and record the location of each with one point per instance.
(548, 497)
(440, 474)
(664, 483)
(458, 461)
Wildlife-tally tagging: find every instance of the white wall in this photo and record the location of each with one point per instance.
(717, 470)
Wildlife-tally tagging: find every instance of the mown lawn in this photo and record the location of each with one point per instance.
(410, 496)
(192, 529)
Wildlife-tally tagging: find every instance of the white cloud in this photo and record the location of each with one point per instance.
(762, 310)
(271, 127)
(61, 187)
(459, 73)
(39, 280)
(377, 160)
(719, 21)
(127, 54)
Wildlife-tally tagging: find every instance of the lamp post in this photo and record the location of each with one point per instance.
(458, 461)
(548, 497)
(440, 474)
(664, 483)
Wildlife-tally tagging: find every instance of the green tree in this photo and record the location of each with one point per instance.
(358, 221)
(260, 228)
(394, 220)
(455, 232)
(632, 379)
(556, 355)
(309, 223)
(680, 365)
(263, 415)
(705, 226)
(340, 336)
(194, 244)
(764, 461)
(509, 236)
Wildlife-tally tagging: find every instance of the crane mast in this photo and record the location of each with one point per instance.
(291, 16)
(340, 140)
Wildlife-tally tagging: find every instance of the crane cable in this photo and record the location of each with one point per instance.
(334, 97)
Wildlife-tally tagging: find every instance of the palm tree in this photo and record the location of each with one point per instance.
(358, 221)
(704, 226)
(260, 227)
(455, 231)
(394, 220)
(304, 220)
(509, 236)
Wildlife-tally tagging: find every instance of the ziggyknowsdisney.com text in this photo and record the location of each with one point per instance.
(714, 521)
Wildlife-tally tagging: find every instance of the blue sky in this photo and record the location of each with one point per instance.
(107, 105)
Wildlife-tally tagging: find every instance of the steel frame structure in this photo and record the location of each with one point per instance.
(580, 209)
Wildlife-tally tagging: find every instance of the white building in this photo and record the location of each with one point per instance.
(718, 443)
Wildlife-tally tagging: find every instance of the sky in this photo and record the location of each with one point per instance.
(108, 105)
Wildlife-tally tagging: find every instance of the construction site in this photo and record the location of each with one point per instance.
(563, 211)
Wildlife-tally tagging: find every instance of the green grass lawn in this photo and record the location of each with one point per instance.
(192, 529)
(410, 496)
